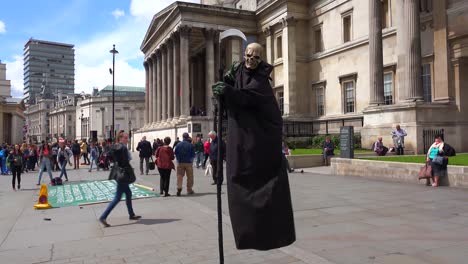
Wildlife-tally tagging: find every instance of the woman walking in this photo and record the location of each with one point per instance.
(63, 157)
(437, 160)
(164, 158)
(16, 163)
(121, 158)
(45, 157)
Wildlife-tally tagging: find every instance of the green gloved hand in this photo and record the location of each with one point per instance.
(230, 75)
(218, 88)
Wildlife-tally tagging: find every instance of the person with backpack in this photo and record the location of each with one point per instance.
(16, 163)
(63, 157)
(45, 158)
(121, 157)
(76, 150)
(94, 153)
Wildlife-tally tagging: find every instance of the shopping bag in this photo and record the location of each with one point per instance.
(425, 172)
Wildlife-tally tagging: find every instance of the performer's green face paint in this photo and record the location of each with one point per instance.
(252, 57)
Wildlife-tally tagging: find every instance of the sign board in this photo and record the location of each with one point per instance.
(196, 128)
(89, 192)
(346, 142)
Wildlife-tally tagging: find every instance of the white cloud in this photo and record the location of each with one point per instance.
(14, 73)
(2, 27)
(118, 13)
(148, 8)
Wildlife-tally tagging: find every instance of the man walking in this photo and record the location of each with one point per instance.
(185, 154)
(214, 156)
(144, 147)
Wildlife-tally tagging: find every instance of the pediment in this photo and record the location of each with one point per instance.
(157, 21)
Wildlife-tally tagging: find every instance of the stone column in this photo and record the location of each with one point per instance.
(176, 77)
(401, 28)
(159, 88)
(154, 94)
(184, 71)
(375, 53)
(147, 110)
(210, 70)
(151, 65)
(412, 49)
(443, 91)
(289, 66)
(269, 45)
(164, 82)
(170, 81)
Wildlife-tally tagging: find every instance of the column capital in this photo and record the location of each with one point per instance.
(154, 55)
(185, 31)
(267, 31)
(288, 21)
(209, 33)
(163, 47)
(174, 36)
(169, 43)
(145, 64)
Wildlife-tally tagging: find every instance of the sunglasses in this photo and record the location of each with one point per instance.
(250, 56)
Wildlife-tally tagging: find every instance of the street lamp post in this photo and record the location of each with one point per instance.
(113, 51)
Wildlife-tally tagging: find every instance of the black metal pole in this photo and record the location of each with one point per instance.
(113, 92)
(219, 174)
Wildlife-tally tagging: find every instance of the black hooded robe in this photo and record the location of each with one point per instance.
(257, 181)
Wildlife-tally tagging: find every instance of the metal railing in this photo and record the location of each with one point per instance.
(429, 135)
(308, 128)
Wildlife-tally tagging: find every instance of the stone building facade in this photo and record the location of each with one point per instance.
(94, 113)
(370, 64)
(62, 118)
(37, 120)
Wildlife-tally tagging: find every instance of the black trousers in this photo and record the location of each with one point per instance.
(399, 150)
(206, 158)
(16, 171)
(214, 165)
(165, 179)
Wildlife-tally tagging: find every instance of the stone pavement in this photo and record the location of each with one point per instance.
(338, 220)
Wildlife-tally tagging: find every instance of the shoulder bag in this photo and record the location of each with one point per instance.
(425, 172)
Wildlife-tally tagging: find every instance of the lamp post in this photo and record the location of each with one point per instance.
(113, 51)
(130, 132)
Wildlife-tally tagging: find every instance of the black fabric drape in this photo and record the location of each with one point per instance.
(258, 188)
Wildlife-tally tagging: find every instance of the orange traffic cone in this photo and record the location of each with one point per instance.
(43, 201)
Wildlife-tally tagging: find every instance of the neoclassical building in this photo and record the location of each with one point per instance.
(369, 64)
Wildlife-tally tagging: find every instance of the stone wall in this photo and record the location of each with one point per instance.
(394, 171)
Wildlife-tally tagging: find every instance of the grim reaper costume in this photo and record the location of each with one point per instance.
(258, 189)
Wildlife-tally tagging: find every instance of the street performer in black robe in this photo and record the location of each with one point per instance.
(257, 180)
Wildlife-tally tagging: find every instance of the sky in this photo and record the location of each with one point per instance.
(93, 26)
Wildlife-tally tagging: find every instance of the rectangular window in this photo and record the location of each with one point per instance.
(318, 40)
(280, 96)
(427, 82)
(385, 14)
(388, 88)
(279, 47)
(320, 95)
(349, 102)
(347, 28)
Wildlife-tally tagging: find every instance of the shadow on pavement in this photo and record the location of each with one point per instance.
(202, 194)
(155, 221)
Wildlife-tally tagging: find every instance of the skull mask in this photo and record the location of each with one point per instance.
(252, 55)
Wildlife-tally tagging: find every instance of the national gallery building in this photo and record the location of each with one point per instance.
(363, 63)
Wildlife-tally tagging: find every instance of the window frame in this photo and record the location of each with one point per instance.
(344, 79)
(317, 87)
(278, 54)
(431, 81)
(345, 15)
(316, 28)
(392, 86)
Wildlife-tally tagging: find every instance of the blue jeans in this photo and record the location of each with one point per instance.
(45, 163)
(199, 158)
(93, 161)
(63, 171)
(121, 189)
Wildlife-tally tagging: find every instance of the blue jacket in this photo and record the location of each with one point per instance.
(214, 150)
(184, 152)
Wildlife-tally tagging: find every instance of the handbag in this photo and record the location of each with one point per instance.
(124, 175)
(425, 172)
(439, 160)
(151, 164)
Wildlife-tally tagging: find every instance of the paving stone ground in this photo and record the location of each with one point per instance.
(342, 220)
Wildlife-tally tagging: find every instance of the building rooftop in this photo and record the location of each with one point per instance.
(37, 41)
(119, 88)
